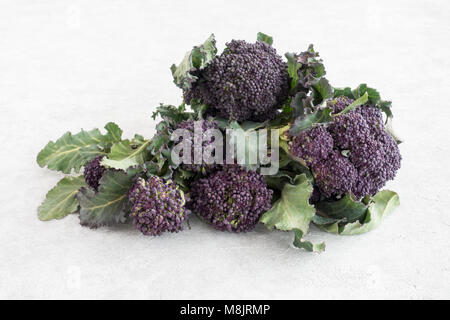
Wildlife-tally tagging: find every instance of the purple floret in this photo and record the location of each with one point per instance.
(373, 117)
(202, 168)
(339, 103)
(365, 156)
(312, 145)
(157, 206)
(335, 175)
(232, 199)
(93, 172)
(248, 81)
(349, 130)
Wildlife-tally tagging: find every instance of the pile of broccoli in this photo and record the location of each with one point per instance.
(336, 147)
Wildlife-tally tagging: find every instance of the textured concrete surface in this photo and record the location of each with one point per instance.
(79, 64)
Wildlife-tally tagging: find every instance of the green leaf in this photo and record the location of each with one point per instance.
(358, 102)
(373, 94)
(293, 67)
(303, 244)
(196, 59)
(172, 115)
(373, 97)
(322, 90)
(322, 115)
(114, 132)
(71, 152)
(126, 153)
(292, 210)
(347, 92)
(108, 205)
(74, 151)
(61, 200)
(381, 205)
(346, 208)
(264, 38)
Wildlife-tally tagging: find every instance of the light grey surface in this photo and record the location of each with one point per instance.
(66, 65)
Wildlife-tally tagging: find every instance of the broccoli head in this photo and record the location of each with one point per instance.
(353, 153)
(248, 81)
(231, 199)
(157, 206)
(93, 172)
(312, 145)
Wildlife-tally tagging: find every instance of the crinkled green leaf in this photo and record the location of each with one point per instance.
(292, 210)
(322, 90)
(61, 200)
(114, 132)
(347, 209)
(322, 115)
(373, 97)
(299, 242)
(172, 115)
(196, 59)
(293, 67)
(74, 151)
(126, 153)
(108, 205)
(264, 38)
(380, 206)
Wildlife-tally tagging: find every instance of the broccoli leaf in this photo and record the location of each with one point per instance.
(345, 209)
(114, 132)
(108, 205)
(171, 114)
(292, 210)
(358, 102)
(196, 59)
(74, 151)
(293, 67)
(61, 200)
(322, 90)
(299, 242)
(264, 38)
(126, 153)
(380, 206)
(373, 97)
(322, 115)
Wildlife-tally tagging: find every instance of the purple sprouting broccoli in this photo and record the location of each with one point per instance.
(232, 199)
(202, 168)
(93, 172)
(334, 175)
(363, 156)
(157, 206)
(248, 81)
(312, 145)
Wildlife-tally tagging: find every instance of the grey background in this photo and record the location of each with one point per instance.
(66, 65)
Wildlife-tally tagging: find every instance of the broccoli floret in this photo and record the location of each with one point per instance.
(246, 82)
(312, 145)
(157, 206)
(363, 156)
(93, 172)
(334, 175)
(202, 168)
(232, 199)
